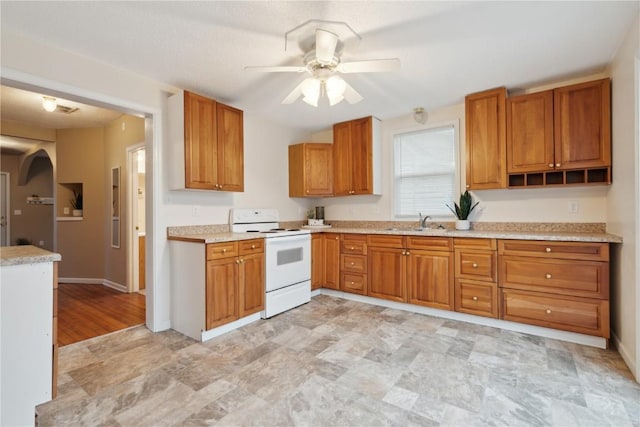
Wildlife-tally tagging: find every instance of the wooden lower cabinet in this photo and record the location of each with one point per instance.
(476, 297)
(234, 281)
(317, 260)
(331, 261)
(353, 264)
(387, 273)
(430, 279)
(222, 292)
(583, 315)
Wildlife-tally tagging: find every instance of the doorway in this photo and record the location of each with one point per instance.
(5, 236)
(136, 229)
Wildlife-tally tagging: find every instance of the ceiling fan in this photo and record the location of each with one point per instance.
(323, 63)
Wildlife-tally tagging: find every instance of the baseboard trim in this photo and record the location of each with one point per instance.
(85, 281)
(216, 332)
(478, 320)
(624, 352)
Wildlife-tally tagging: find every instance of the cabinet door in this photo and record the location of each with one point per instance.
(582, 115)
(530, 132)
(342, 159)
(317, 260)
(332, 261)
(361, 156)
(318, 167)
(200, 145)
(221, 292)
(387, 273)
(486, 139)
(230, 138)
(251, 280)
(430, 279)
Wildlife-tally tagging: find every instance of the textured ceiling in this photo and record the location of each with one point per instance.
(447, 49)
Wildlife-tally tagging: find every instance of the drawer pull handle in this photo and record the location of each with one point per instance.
(352, 263)
(352, 248)
(253, 246)
(224, 250)
(353, 283)
(475, 298)
(474, 265)
(547, 250)
(548, 276)
(548, 311)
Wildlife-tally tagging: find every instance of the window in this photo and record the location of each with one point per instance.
(424, 171)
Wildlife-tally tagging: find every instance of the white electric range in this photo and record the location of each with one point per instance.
(287, 258)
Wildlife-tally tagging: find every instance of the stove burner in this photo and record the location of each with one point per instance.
(253, 231)
(277, 229)
(293, 229)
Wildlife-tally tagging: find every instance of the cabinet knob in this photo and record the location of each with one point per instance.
(307, 191)
(547, 250)
(557, 165)
(550, 165)
(253, 246)
(548, 311)
(407, 253)
(548, 276)
(474, 265)
(237, 261)
(353, 283)
(468, 186)
(475, 298)
(224, 250)
(352, 248)
(337, 237)
(352, 263)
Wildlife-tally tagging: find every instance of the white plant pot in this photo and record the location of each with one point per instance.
(316, 221)
(77, 212)
(463, 224)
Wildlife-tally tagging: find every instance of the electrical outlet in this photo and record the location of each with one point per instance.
(41, 243)
(66, 211)
(195, 210)
(574, 206)
(17, 211)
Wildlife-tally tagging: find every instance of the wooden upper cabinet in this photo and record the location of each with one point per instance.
(206, 144)
(230, 142)
(530, 132)
(486, 139)
(582, 114)
(200, 147)
(356, 157)
(310, 170)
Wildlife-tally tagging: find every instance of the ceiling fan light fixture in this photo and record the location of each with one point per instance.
(311, 89)
(49, 103)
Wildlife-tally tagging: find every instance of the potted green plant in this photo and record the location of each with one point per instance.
(311, 218)
(76, 203)
(463, 210)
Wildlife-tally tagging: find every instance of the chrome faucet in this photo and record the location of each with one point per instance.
(422, 221)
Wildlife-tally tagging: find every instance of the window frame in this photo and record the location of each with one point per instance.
(455, 124)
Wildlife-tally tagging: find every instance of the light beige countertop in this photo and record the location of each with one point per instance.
(27, 254)
(210, 236)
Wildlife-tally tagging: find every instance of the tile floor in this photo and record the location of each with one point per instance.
(338, 362)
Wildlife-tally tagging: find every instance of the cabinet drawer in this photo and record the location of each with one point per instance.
(478, 265)
(249, 247)
(430, 243)
(471, 243)
(222, 250)
(354, 283)
(354, 244)
(353, 263)
(582, 315)
(563, 250)
(475, 297)
(578, 278)
(385, 241)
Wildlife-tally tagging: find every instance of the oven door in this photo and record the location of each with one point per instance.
(288, 260)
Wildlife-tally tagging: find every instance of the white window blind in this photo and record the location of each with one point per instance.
(424, 171)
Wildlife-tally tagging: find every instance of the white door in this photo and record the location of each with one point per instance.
(4, 209)
(136, 214)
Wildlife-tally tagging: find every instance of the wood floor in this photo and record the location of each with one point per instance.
(87, 311)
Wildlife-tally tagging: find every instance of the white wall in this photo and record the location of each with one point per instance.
(515, 205)
(624, 199)
(30, 64)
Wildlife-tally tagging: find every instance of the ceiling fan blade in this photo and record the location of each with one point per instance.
(283, 69)
(294, 94)
(326, 43)
(370, 66)
(351, 95)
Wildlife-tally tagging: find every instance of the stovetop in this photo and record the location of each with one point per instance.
(260, 221)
